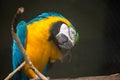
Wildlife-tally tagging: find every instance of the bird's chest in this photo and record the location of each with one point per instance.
(39, 48)
(41, 53)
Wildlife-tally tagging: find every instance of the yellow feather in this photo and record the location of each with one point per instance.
(38, 48)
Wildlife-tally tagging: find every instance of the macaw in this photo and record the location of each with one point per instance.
(43, 38)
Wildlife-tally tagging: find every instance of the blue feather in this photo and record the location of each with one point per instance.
(45, 70)
(17, 56)
(44, 15)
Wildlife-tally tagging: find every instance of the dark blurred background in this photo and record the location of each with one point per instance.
(97, 21)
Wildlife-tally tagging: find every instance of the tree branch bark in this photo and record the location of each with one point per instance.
(107, 77)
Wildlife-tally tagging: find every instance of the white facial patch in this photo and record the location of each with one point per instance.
(69, 32)
(72, 33)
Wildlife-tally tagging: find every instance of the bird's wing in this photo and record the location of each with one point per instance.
(17, 56)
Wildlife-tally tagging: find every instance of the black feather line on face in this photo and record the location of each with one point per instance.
(55, 30)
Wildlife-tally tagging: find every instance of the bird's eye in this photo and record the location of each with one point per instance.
(72, 33)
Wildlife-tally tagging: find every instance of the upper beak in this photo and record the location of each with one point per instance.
(63, 41)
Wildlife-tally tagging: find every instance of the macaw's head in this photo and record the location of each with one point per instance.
(63, 33)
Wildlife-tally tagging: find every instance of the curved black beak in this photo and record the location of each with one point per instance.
(63, 41)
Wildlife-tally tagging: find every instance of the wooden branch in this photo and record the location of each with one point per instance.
(108, 77)
(26, 58)
(16, 38)
(16, 70)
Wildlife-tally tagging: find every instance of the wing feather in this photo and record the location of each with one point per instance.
(17, 56)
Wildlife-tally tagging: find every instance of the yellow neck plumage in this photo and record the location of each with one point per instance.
(38, 48)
